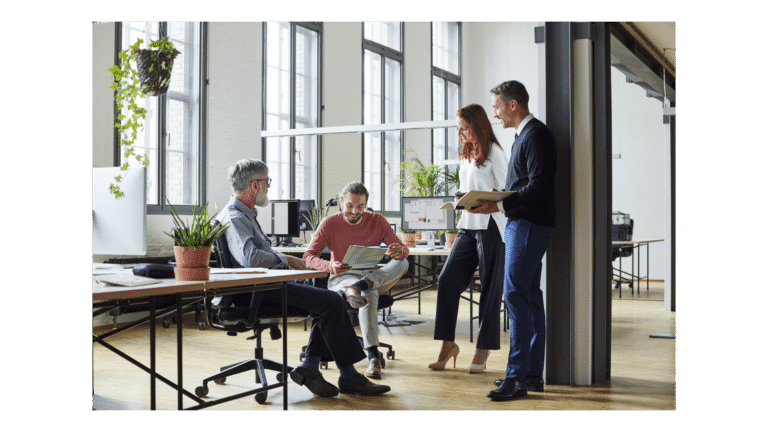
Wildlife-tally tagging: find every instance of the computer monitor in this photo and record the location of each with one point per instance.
(305, 209)
(424, 214)
(280, 219)
(120, 224)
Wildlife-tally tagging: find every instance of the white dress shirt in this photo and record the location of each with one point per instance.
(492, 175)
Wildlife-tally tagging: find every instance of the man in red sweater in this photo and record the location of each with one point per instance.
(354, 226)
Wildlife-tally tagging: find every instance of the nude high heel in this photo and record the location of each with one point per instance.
(440, 364)
(477, 368)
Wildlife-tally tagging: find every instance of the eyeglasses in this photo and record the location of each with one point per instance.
(268, 180)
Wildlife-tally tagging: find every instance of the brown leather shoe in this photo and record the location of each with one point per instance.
(374, 369)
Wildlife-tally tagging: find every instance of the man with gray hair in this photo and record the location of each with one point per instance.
(355, 226)
(332, 336)
(530, 225)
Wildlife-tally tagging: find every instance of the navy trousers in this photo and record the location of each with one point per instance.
(526, 244)
(332, 337)
(472, 248)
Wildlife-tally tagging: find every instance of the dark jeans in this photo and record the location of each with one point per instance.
(332, 336)
(472, 248)
(526, 244)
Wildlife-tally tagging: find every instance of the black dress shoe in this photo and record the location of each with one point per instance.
(360, 385)
(314, 381)
(534, 384)
(508, 390)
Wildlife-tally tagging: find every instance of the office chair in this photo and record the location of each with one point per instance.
(240, 313)
(622, 232)
(385, 301)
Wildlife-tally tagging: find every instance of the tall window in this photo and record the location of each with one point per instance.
(173, 135)
(446, 85)
(292, 101)
(382, 103)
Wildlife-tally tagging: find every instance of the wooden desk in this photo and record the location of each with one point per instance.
(636, 252)
(108, 297)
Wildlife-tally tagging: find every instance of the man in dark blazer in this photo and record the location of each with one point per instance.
(530, 222)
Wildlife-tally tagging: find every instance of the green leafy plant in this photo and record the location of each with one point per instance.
(200, 232)
(456, 229)
(419, 180)
(316, 215)
(129, 90)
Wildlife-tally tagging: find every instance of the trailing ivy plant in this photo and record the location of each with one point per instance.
(129, 90)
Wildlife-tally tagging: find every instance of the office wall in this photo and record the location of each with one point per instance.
(639, 175)
(343, 102)
(234, 102)
(497, 52)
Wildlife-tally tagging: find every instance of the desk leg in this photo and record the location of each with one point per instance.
(152, 389)
(285, 346)
(179, 325)
(647, 268)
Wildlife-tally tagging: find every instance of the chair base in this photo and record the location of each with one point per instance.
(257, 365)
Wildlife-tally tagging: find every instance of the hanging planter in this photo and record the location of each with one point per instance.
(151, 77)
(154, 69)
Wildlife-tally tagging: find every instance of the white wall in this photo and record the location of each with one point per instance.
(343, 101)
(494, 53)
(234, 102)
(639, 175)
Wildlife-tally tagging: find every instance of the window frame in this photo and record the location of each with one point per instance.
(399, 56)
(446, 77)
(318, 28)
(162, 103)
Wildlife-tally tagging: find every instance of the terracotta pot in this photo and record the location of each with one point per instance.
(409, 239)
(449, 239)
(192, 274)
(189, 257)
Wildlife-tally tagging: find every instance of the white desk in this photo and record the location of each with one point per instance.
(107, 297)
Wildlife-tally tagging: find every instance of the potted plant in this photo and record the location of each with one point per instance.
(316, 215)
(193, 242)
(416, 179)
(151, 77)
(409, 238)
(450, 236)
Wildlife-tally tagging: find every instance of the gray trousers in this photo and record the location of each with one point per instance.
(383, 279)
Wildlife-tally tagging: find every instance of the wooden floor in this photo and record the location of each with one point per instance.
(643, 368)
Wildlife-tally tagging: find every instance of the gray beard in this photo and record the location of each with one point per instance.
(263, 201)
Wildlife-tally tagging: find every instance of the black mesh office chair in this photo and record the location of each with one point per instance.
(240, 313)
(622, 231)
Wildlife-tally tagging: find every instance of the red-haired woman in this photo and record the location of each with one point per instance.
(483, 166)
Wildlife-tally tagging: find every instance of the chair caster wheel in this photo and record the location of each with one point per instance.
(201, 391)
(280, 377)
(391, 355)
(166, 324)
(261, 398)
(220, 380)
(323, 365)
(202, 326)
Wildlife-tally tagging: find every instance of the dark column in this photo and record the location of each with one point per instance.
(559, 115)
(603, 188)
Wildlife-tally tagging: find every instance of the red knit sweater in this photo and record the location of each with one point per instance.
(336, 234)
